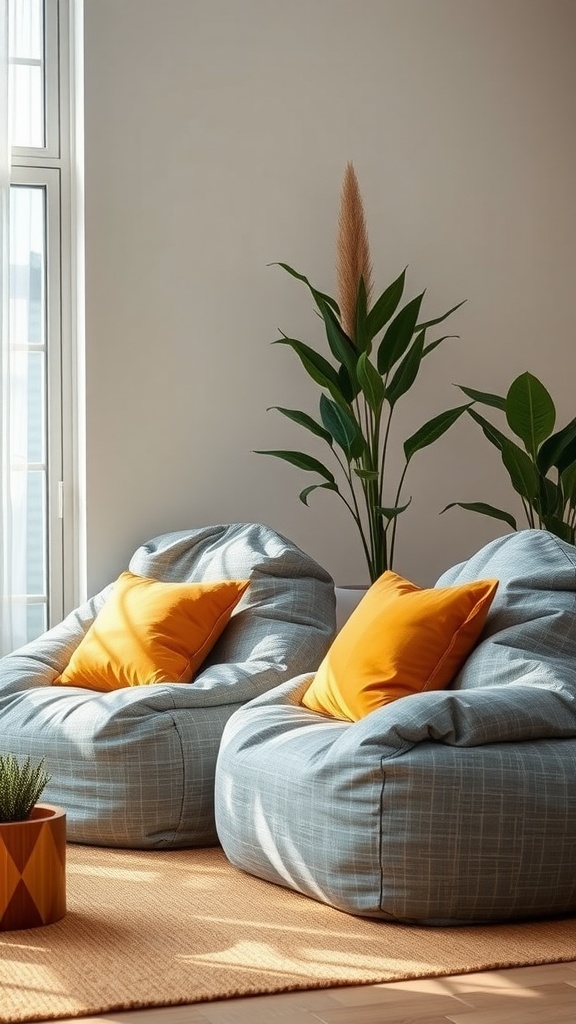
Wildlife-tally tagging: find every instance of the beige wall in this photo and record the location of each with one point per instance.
(217, 132)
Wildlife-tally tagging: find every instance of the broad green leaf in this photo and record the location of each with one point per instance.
(398, 335)
(304, 420)
(343, 428)
(366, 474)
(496, 401)
(370, 382)
(314, 291)
(559, 449)
(521, 470)
(495, 436)
(432, 430)
(439, 319)
(407, 371)
(434, 344)
(392, 513)
(315, 487)
(302, 461)
(485, 510)
(385, 306)
(530, 411)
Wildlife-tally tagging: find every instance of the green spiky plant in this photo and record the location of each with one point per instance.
(21, 785)
(375, 352)
(543, 472)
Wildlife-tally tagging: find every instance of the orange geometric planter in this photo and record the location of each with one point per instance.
(33, 869)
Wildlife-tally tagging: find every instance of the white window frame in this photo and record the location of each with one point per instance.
(57, 168)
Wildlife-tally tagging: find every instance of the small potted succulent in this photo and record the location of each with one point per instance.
(32, 848)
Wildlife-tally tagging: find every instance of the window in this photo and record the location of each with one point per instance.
(41, 340)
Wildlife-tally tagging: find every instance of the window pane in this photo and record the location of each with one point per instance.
(27, 265)
(27, 92)
(28, 430)
(35, 512)
(28, 409)
(36, 621)
(28, 500)
(25, 20)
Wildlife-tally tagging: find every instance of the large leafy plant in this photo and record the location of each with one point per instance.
(543, 472)
(375, 350)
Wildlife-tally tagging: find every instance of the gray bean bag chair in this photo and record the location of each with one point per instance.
(443, 807)
(135, 767)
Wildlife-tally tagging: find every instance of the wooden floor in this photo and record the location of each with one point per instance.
(522, 995)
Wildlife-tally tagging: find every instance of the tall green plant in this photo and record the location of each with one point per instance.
(20, 787)
(375, 350)
(543, 472)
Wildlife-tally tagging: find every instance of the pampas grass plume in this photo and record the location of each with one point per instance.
(353, 251)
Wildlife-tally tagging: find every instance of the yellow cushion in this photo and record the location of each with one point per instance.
(151, 632)
(401, 639)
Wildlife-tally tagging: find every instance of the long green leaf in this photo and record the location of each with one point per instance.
(314, 291)
(568, 480)
(521, 470)
(302, 461)
(432, 430)
(370, 382)
(495, 436)
(530, 411)
(343, 428)
(558, 449)
(398, 335)
(439, 319)
(304, 420)
(559, 528)
(485, 510)
(407, 371)
(339, 343)
(316, 366)
(348, 391)
(434, 344)
(385, 306)
(548, 500)
(496, 401)
(392, 513)
(315, 487)
(366, 474)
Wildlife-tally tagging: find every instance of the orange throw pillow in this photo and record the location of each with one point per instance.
(401, 639)
(151, 632)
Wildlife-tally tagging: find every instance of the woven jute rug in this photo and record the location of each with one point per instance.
(158, 929)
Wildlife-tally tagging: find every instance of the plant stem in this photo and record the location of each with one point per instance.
(396, 503)
(354, 511)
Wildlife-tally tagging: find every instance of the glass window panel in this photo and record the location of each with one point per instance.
(27, 265)
(35, 532)
(36, 621)
(36, 419)
(27, 92)
(26, 21)
(28, 408)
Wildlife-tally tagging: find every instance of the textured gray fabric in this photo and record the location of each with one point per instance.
(530, 633)
(443, 807)
(135, 767)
